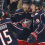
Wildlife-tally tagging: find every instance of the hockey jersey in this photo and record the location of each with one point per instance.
(40, 27)
(19, 17)
(36, 21)
(6, 32)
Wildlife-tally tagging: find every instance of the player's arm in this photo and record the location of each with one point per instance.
(36, 21)
(33, 36)
(39, 27)
(17, 28)
(14, 16)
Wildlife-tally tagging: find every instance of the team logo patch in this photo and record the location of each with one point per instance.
(27, 23)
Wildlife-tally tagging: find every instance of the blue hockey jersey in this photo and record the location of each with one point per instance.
(36, 17)
(19, 17)
(6, 32)
(39, 27)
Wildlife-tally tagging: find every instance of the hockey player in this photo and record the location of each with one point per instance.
(39, 33)
(38, 11)
(42, 18)
(24, 17)
(5, 14)
(6, 31)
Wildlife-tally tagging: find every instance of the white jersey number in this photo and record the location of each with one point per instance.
(6, 36)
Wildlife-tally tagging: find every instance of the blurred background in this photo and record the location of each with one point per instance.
(12, 5)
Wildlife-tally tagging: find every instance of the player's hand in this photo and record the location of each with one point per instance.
(32, 38)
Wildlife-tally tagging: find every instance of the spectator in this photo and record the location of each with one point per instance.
(12, 6)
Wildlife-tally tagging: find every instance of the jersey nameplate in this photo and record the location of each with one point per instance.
(3, 27)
